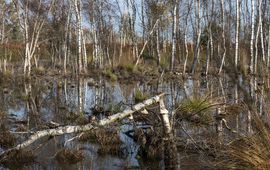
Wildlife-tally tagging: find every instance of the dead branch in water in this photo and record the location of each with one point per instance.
(75, 129)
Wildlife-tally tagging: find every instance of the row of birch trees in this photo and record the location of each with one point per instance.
(187, 35)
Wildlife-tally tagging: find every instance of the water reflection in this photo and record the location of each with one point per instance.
(49, 100)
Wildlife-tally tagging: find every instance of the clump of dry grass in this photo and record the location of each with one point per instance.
(250, 152)
(140, 96)
(68, 156)
(197, 109)
(108, 140)
(18, 158)
(7, 140)
(151, 145)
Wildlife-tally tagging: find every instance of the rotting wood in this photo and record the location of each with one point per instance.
(75, 129)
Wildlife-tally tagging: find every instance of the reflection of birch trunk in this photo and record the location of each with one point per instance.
(261, 101)
(249, 121)
(219, 126)
(27, 89)
(65, 91)
(81, 91)
(255, 93)
(236, 101)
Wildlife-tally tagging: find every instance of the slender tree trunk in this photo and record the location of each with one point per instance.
(158, 46)
(77, 6)
(185, 38)
(174, 36)
(251, 66)
(237, 33)
(268, 51)
(256, 43)
(223, 36)
(198, 42)
(261, 30)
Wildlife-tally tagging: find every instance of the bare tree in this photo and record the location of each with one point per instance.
(31, 15)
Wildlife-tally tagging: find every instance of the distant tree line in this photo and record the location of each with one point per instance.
(191, 35)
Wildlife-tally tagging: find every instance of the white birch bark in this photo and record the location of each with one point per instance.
(198, 41)
(268, 51)
(256, 43)
(174, 36)
(77, 7)
(251, 67)
(237, 33)
(261, 30)
(223, 37)
(158, 45)
(185, 38)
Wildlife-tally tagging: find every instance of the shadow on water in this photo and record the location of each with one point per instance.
(48, 103)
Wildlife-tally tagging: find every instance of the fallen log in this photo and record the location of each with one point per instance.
(75, 129)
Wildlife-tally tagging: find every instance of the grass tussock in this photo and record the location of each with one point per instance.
(7, 140)
(249, 152)
(2, 114)
(110, 74)
(76, 118)
(18, 158)
(129, 67)
(140, 96)
(39, 70)
(109, 141)
(151, 145)
(197, 109)
(68, 156)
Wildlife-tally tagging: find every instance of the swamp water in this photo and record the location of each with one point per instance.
(47, 101)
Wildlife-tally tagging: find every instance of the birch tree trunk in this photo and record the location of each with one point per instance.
(174, 36)
(268, 51)
(251, 66)
(158, 46)
(185, 38)
(261, 30)
(30, 40)
(77, 7)
(198, 42)
(223, 36)
(256, 42)
(237, 33)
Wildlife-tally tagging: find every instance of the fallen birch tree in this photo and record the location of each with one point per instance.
(75, 129)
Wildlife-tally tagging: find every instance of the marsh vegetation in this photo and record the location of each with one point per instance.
(131, 84)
